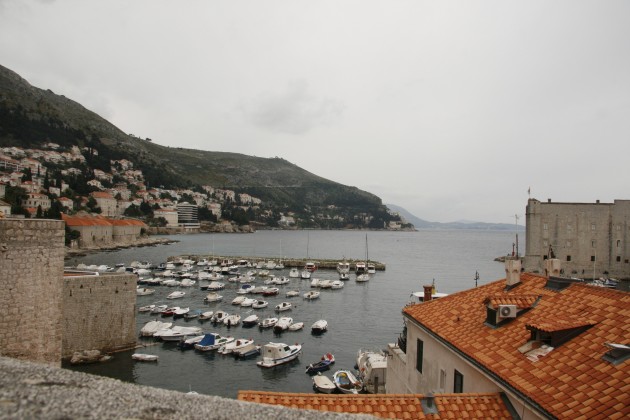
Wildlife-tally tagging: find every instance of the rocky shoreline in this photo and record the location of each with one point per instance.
(145, 241)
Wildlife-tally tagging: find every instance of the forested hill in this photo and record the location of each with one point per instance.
(30, 116)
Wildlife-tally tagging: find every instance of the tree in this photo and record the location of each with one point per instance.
(27, 174)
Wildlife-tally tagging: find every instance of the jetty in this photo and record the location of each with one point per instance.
(327, 264)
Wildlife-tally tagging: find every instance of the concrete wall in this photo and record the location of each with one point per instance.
(99, 313)
(125, 234)
(94, 235)
(578, 234)
(31, 269)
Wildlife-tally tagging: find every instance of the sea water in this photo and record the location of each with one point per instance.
(361, 315)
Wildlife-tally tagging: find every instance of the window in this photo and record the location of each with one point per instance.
(592, 257)
(568, 258)
(545, 227)
(458, 386)
(593, 244)
(419, 354)
(618, 243)
(592, 226)
(618, 258)
(442, 379)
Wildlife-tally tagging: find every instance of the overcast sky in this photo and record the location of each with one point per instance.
(451, 110)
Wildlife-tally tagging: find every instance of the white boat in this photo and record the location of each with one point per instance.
(170, 282)
(215, 276)
(319, 326)
(263, 273)
(362, 278)
(281, 280)
(293, 293)
(250, 321)
(238, 300)
(147, 308)
(152, 327)
(310, 266)
(344, 276)
(325, 284)
(206, 315)
(180, 312)
(274, 354)
(213, 297)
(159, 309)
(235, 345)
(216, 285)
(305, 274)
(189, 342)
(296, 326)
(336, 285)
(245, 289)
(268, 322)
(219, 316)
(360, 268)
(176, 333)
(259, 304)
(143, 357)
(312, 294)
(371, 268)
(247, 351)
(248, 302)
(323, 384)
(294, 273)
(283, 306)
(143, 291)
(188, 283)
(282, 324)
(212, 341)
(372, 368)
(259, 290)
(343, 267)
(315, 283)
(176, 295)
(270, 265)
(232, 320)
(346, 382)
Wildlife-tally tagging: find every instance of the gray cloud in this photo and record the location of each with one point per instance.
(293, 111)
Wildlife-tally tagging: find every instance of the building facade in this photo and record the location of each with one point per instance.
(187, 216)
(591, 239)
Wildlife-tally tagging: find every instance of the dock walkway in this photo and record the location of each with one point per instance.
(328, 264)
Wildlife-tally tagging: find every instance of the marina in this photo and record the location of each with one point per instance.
(358, 316)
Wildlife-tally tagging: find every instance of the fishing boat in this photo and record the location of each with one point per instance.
(346, 382)
(343, 267)
(321, 365)
(319, 326)
(275, 354)
(323, 384)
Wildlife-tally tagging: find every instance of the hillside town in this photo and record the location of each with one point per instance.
(56, 182)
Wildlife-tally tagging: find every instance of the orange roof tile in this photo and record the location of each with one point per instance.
(521, 301)
(559, 382)
(395, 406)
(101, 194)
(85, 220)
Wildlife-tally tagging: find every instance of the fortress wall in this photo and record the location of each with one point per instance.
(99, 313)
(31, 270)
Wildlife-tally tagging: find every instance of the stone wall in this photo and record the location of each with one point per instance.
(99, 312)
(31, 269)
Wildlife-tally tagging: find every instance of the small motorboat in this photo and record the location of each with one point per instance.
(188, 343)
(159, 309)
(248, 302)
(180, 312)
(336, 285)
(147, 308)
(294, 273)
(283, 306)
(176, 295)
(296, 326)
(325, 284)
(346, 382)
(275, 354)
(245, 289)
(235, 345)
(259, 304)
(362, 278)
(238, 300)
(232, 320)
(152, 327)
(206, 315)
(212, 341)
(319, 326)
(170, 311)
(245, 352)
(282, 324)
(213, 297)
(271, 291)
(143, 291)
(305, 274)
(216, 285)
(313, 294)
(293, 293)
(250, 321)
(176, 333)
(144, 357)
(268, 322)
(323, 384)
(321, 365)
(219, 316)
(344, 276)
(192, 314)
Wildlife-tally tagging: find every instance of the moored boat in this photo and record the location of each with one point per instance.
(323, 384)
(144, 357)
(275, 354)
(152, 327)
(213, 297)
(212, 341)
(268, 322)
(283, 306)
(310, 295)
(235, 345)
(250, 321)
(259, 304)
(321, 365)
(346, 382)
(319, 326)
(232, 320)
(282, 324)
(296, 326)
(294, 273)
(176, 295)
(372, 368)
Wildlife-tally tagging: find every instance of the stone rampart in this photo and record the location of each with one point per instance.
(31, 269)
(98, 312)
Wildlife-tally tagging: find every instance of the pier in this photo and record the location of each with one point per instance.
(327, 264)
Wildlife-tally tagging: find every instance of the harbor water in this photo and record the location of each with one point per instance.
(360, 315)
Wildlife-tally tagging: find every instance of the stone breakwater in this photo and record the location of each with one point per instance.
(146, 241)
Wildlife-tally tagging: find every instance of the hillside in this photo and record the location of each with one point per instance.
(30, 116)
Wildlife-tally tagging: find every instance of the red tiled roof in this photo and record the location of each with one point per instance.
(101, 194)
(390, 406)
(127, 222)
(521, 301)
(560, 323)
(85, 220)
(571, 381)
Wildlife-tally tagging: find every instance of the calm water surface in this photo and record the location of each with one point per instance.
(361, 315)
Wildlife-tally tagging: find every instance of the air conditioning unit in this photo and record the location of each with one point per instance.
(507, 311)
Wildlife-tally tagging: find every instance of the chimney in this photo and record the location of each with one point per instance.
(552, 267)
(428, 292)
(512, 272)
